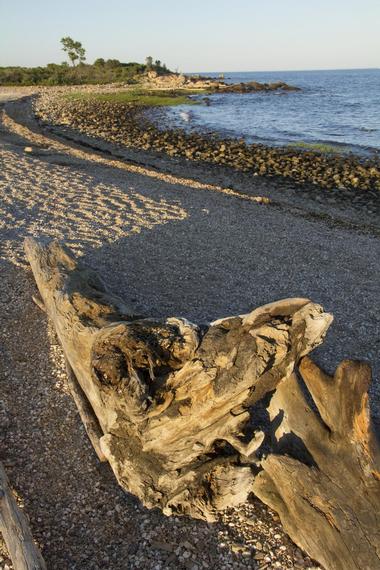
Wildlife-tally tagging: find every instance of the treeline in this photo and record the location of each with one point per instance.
(102, 71)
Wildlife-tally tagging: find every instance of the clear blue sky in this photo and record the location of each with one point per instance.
(197, 35)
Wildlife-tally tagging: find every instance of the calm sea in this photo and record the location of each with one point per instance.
(336, 107)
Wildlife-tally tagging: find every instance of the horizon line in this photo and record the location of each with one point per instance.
(289, 70)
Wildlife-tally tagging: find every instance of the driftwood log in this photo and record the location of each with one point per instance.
(16, 532)
(173, 399)
(89, 420)
(174, 406)
(329, 503)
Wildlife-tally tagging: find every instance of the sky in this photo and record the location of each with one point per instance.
(197, 35)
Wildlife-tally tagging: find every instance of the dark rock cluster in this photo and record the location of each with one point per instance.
(130, 126)
(254, 86)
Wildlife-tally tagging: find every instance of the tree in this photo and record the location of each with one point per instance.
(157, 63)
(113, 63)
(74, 50)
(149, 62)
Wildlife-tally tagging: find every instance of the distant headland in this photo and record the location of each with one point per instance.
(151, 74)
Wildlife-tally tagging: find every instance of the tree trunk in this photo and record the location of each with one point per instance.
(173, 399)
(329, 503)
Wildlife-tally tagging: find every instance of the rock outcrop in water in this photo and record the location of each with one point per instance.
(178, 81)
(255, 86)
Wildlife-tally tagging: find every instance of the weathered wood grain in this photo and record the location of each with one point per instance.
(329, 503)
(14, 527)
(172, 398)
(86, 413)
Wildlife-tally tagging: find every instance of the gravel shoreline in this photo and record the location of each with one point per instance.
(131, 126)
(169, 247)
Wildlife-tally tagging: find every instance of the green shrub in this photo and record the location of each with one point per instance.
(102, 71)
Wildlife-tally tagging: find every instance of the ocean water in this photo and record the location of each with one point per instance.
(335, 107)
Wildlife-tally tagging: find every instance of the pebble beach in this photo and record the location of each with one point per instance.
(176, 226)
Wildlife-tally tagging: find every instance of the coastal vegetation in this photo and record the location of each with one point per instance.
(102, 71)
(148, 98)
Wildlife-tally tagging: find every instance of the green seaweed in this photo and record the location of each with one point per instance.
(320, 147)
(150, 98)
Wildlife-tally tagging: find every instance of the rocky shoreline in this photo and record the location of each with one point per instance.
(131, 127)
(210, 84)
